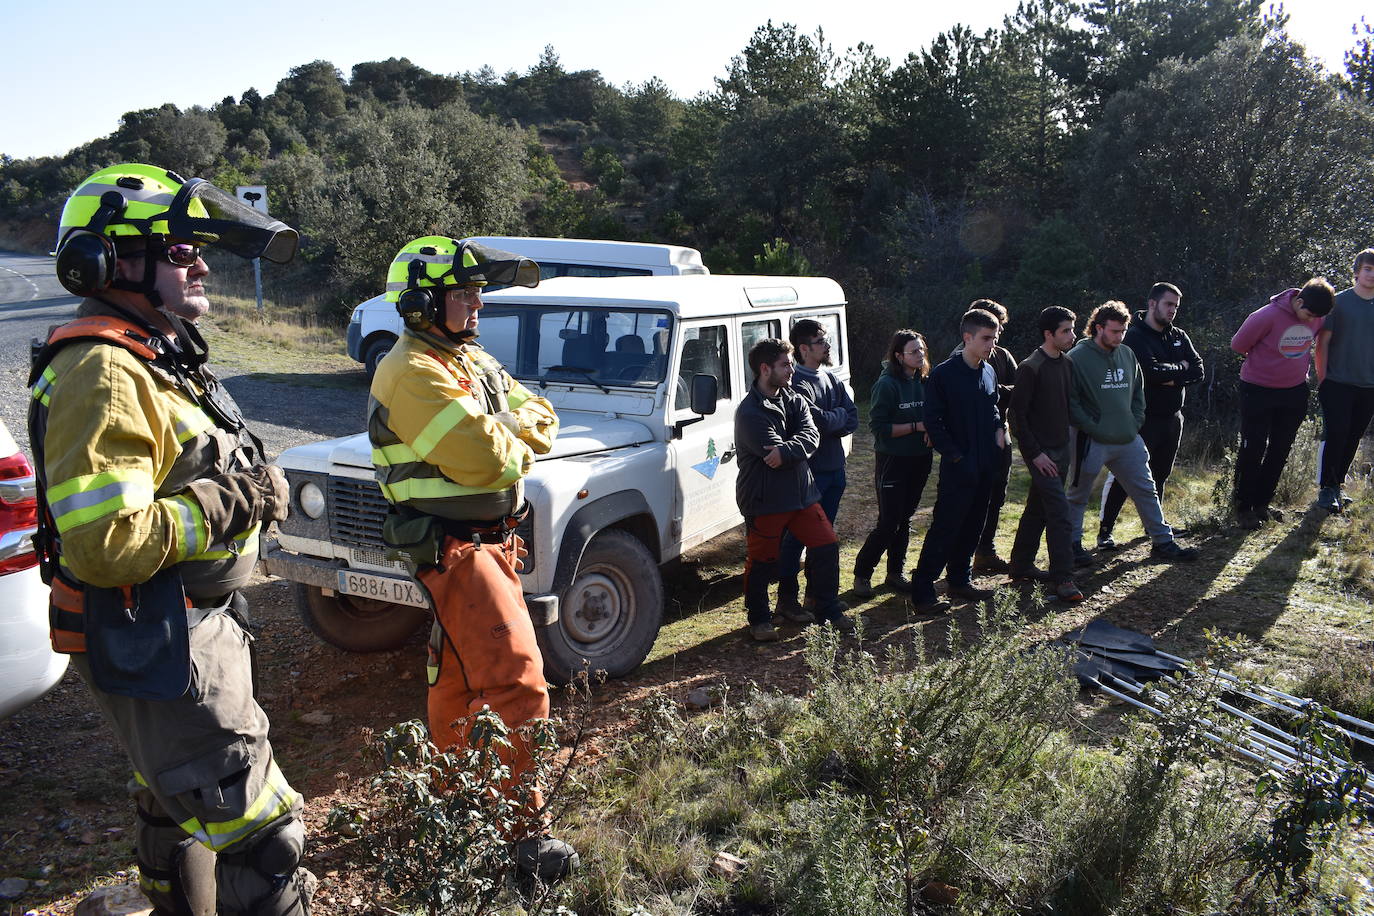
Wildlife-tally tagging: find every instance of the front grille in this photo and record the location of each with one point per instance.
(356, 512)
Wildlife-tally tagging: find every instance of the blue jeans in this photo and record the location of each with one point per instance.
(831, 484)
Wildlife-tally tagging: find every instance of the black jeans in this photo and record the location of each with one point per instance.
(986, 543)
(1269, 421)
(1346, 412)
(1161, 435)
(961, 508)
(898, 481)
(1047, 512)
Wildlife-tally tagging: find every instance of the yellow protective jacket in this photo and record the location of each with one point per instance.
(452, 433)
(120, 442)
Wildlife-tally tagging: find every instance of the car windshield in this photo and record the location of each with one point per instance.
(596, 346)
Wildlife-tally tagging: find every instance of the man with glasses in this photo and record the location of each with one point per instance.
(153, 494)
(835, 416)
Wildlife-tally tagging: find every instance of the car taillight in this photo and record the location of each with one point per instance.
(18, 514)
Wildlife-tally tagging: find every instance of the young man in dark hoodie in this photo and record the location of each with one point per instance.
(1170, 363)
(835, 416)
(1107, 408)
(965, 428)
(774, 435)
(1003, 364)
(1039, 413)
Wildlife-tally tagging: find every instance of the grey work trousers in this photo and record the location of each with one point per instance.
(1129, 463)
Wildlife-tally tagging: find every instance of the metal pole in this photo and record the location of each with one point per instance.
(257, 282)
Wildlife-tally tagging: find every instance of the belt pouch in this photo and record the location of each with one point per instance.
(137, 639)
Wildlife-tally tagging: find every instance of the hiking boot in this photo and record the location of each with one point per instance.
(1029, 574)
(788, 609)
(1068, 593)
(897, 582)
(1081, 557)
(969, 592)
(1249, 520)
(1170, 550)
(989, 561)
(763, 632)
(1328, 498)
(544, 858)
(863, 586)
(1105, 541)
(931, 605)
(840, 623)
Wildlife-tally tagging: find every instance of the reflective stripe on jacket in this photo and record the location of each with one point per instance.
(437, 443)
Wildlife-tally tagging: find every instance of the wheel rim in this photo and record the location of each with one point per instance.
(598, 602)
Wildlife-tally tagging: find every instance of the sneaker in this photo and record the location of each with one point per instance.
(1249, 520)
(1081, 557)
(789, 609)
(1105, 541)
(1328, 498)
(1170, 550)
(1030, 574)
(863, 586)
(897, 582)
(763, 632)
(544, 858)
(989, 562)
(1275, 515)
(1068, 592)
(969, 592)
(1343, 498)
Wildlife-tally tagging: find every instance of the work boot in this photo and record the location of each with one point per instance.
(969, 592)
(989, 561)
(1081, 557)
(897, 582)
(1170, 550)
(544, 858)
(1328, 498)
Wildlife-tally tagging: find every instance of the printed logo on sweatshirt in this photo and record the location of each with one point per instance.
(1114, 376)
(910, 405)
(1295, 342)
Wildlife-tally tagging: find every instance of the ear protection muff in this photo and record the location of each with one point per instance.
(418, 307)
(86, 257)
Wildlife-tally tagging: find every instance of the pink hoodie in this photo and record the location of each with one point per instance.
(1276, 344)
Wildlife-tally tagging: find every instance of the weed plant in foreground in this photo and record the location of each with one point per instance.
(902, 786)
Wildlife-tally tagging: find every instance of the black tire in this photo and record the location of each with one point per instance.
(358, 624)
(374, 353)
(609, 615)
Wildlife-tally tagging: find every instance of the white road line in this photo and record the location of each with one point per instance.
(32, 285)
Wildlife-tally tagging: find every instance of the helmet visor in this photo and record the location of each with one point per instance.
(204, 215)
(495, 267)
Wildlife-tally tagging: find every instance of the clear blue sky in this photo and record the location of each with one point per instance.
(69, 70)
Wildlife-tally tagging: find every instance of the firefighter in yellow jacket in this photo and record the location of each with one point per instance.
(152, 496)
(453, 437)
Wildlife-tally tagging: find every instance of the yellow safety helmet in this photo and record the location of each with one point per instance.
(123, 203)
(423, 269)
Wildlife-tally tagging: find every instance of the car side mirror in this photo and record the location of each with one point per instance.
(705, 393)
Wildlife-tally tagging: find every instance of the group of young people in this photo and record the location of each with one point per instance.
(1111, 398)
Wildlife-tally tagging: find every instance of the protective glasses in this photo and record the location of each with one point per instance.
(182, 255)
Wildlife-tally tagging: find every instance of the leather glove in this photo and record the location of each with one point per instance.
(508, 420)
(235, 501)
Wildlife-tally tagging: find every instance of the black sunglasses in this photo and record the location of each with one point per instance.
(181, 254)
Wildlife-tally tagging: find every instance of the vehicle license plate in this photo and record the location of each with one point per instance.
(381, 588)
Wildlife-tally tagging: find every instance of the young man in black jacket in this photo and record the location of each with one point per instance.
(965, 428)
(1170, 364)
(776, 493)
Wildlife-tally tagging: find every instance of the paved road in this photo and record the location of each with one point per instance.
(281, 412)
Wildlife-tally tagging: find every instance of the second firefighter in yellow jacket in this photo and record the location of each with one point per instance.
(453, 437)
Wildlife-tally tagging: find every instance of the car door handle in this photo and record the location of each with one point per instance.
(727, 456)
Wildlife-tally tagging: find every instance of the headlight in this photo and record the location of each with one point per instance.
(312, 500)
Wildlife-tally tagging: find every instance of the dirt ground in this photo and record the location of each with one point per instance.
(65, 822)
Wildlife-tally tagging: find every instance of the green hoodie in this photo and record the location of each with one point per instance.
(1107, 400)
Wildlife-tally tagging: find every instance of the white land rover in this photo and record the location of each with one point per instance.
(645, 373)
